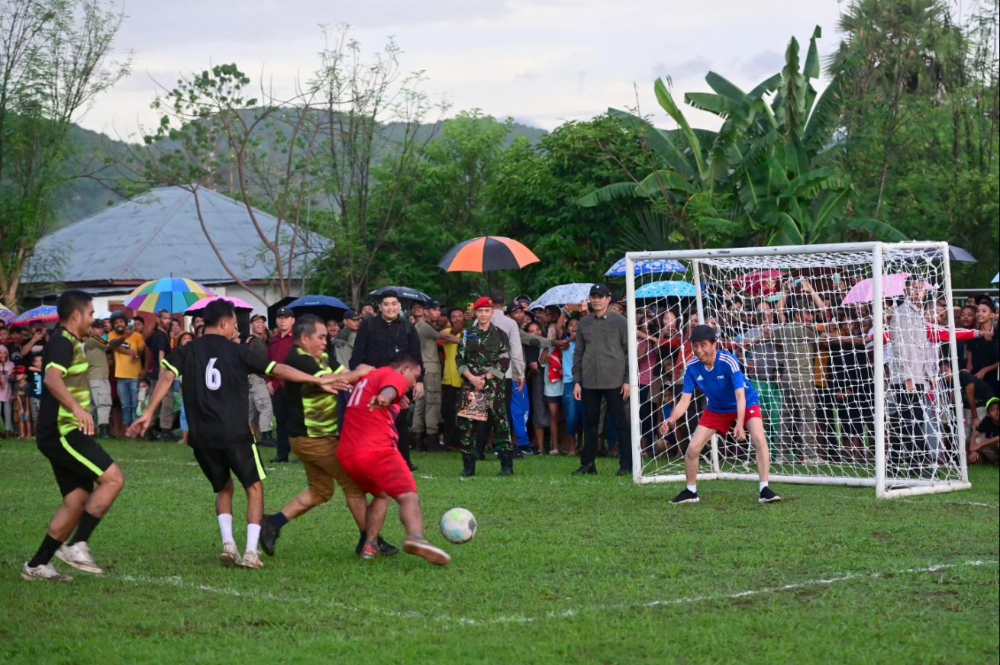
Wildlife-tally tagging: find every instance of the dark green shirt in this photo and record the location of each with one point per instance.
(601, 358)
(312, 410)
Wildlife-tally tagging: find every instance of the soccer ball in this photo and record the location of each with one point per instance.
(458, 526)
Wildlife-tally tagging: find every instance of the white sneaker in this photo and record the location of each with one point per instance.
(79, 557)
(46, 573)
(420, 547)
(250, 560)
(230, 555)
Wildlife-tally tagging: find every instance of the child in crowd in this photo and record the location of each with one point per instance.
(985, 443)
(36, 386)
(22, 405)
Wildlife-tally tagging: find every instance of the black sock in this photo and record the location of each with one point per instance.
(278, 520)
(86, 527)
(45, 552)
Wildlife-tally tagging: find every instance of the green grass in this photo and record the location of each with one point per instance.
(563, 570)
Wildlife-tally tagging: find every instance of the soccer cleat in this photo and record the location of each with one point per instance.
(420, 547)
(687, 496)
(767, 495)
(230, 555)
(78, 556)
(386, 548)
(250, 560)
(368, 552)
(43, 573)
(269, 535)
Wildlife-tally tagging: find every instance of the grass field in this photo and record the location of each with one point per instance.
(564, 569)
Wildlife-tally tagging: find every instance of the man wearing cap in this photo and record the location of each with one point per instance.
(380, 339)
(130, 350)
(483, 361)
(277, 351)
(600, 372)
(261, 411)
(733, 405)
(426, 425)
(343, 344)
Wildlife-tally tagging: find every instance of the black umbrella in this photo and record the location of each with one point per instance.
(403, 293)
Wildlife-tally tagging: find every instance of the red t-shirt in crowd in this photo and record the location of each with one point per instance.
(365, 430)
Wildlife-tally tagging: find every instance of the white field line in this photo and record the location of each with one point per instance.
(467, 621)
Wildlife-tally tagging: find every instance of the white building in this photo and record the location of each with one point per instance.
(159, 234)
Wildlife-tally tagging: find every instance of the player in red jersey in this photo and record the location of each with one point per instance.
(368, 454)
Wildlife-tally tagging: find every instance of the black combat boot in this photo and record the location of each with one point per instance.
(507, 463)
(469, 465)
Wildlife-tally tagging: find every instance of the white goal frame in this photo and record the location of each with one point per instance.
(885, 488)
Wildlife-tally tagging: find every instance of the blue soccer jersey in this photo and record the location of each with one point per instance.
(720, 383)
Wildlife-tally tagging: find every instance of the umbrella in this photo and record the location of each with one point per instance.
(954, 253)
(758, 283)
(238, 305)
(6, 315)
(325, 307)
(996, 279)
(667, 290)
(45, 314)
(174, 294)
(487, 254)
(563, 295)
(647, 267)
(892, 287)
(404, 293)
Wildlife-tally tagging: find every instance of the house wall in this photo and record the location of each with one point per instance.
(106, 303)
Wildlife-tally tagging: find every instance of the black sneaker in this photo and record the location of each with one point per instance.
(768, 496)
(269, 535)
(586, 469)
(361, 544)
(385, 548)
(279, 460)
(168, 435)
(624, 472)
(687, 496)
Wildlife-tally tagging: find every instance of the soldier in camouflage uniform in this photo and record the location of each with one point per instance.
(484, 357)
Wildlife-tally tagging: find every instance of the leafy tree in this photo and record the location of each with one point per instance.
(54, 61)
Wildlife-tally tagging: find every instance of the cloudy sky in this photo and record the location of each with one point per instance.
(540, 61)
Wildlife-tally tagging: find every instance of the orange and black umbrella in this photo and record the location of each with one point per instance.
(487, 254)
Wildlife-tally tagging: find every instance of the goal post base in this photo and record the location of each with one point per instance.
(925, 488)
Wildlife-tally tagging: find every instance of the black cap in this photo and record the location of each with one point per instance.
(703, 334)
(432, 304)
(257, 316)
(284, 311)
(120, 314)
(601, 290)
(350, 314)
(523, 298)
(514, 306)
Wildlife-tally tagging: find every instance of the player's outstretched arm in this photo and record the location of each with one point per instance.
(331, 383)
(57, 388)
(356, 375)
(164, 385)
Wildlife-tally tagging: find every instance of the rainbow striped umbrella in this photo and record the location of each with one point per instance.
(174, 294)
(44, 313)
(6, 315)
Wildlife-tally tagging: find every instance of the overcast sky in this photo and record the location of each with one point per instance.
(540, 61)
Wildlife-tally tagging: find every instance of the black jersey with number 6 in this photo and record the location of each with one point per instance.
(216, 389)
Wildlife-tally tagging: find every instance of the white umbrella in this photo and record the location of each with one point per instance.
(564, 294)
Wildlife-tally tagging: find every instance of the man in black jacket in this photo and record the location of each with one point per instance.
(380, 339)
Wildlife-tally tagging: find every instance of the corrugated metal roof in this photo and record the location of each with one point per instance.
(159, 234)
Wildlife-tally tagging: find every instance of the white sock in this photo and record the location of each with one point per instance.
(693, 488)
(226, 527)
(763, 484)
(253, 533)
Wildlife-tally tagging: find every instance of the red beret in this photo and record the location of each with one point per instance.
(483, 302)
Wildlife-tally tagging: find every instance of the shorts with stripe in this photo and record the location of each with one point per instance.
(77, 460)
(218, 463)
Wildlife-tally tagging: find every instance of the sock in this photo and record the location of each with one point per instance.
(693, 488)
(278, 520)
(45, 552)
(86, 527)
(226, 526)
(763, 484)
(253, 533)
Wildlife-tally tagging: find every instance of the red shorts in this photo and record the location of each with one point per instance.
(724, 422)
(380, 472)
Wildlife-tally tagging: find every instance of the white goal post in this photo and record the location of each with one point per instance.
(851, 347)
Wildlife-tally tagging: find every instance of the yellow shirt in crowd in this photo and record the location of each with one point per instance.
(127, 367)
(451, 377)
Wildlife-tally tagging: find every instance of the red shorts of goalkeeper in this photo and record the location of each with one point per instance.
(723, 422)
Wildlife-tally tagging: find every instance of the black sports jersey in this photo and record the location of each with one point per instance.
(312, 411)
(64, 352)
(216, 389)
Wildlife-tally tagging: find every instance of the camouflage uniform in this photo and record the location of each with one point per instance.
(481, 353)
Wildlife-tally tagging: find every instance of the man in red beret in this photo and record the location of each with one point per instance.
(483, 361)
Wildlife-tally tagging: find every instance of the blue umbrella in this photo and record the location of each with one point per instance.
(996, 280)
(45, 314)
(325, 307)
(647, 267)
(667, 290)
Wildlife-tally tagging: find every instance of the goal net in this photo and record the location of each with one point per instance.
(851, 349)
